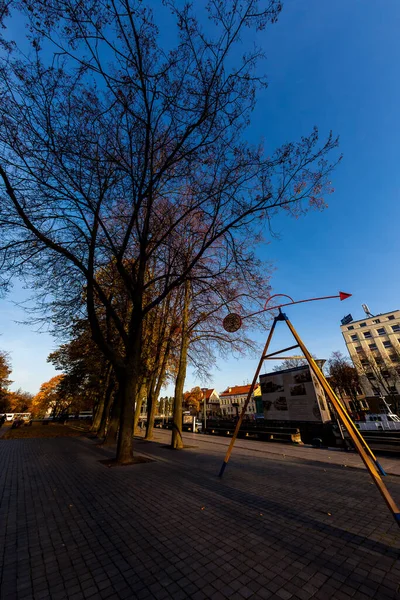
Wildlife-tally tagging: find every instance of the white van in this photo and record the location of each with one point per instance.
(85, 414)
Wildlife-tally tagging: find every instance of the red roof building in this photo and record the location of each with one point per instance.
(233, 398)
(212, 401)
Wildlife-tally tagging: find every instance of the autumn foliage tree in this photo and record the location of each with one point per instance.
(51, 399)
(193, 399)
(86, 372)
(116, 147)
(20, 401)
(11, 401)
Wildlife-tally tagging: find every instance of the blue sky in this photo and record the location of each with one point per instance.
(334, 65)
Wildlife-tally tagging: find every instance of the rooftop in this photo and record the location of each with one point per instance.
(365, 318)
(237, 390)
(208, 392)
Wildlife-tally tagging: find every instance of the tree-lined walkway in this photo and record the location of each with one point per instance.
(273, 528)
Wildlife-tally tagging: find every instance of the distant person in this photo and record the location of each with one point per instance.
(2, 420)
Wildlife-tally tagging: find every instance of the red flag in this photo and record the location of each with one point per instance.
(343, 295)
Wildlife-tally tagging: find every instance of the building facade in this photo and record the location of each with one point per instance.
(374, 347)
(212, 402)
(233, 398)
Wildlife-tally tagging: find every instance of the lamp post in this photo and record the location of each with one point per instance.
(204, 390)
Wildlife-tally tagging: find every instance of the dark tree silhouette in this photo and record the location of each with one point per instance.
(115, 148)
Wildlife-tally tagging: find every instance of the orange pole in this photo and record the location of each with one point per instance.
(251, 390)
(372, 468)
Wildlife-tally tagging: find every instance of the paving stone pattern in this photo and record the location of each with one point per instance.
(72, 528)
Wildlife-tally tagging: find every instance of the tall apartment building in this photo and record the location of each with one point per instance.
(374, 347)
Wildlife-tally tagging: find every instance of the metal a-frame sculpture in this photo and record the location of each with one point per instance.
(371, 462)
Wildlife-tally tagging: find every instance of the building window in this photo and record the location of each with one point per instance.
(372, 346)
(381, 331)
(358, 349)
(363, 324)
(365, 362)
(394, 358)
(396, 328)
(376, 321)
(367, 334)
(391, 318)
(354, 338)
(387, 344)
(393, 388)
(350, 328)
(371, 376)
(379, 360)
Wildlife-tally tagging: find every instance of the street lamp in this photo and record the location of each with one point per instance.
(204, 390)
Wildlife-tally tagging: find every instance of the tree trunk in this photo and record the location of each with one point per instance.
(128, 391)
(156, 394)
(113, 424)
(106, 412)
(98, 414)
(101, 405)
(176, 438)
(128, 380)
(138, 407)
(151, 411)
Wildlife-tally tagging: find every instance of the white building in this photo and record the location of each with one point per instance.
(233, 398)
(212, 402)
(374, 347)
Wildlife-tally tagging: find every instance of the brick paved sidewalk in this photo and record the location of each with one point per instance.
(331, 456)
(3, 430)
(72, 528)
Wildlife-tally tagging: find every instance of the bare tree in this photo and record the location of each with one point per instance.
(344, 378)
(291, 363)
(205, 304)
(114, 147)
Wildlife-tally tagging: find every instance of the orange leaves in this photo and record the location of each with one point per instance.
(48, 395)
